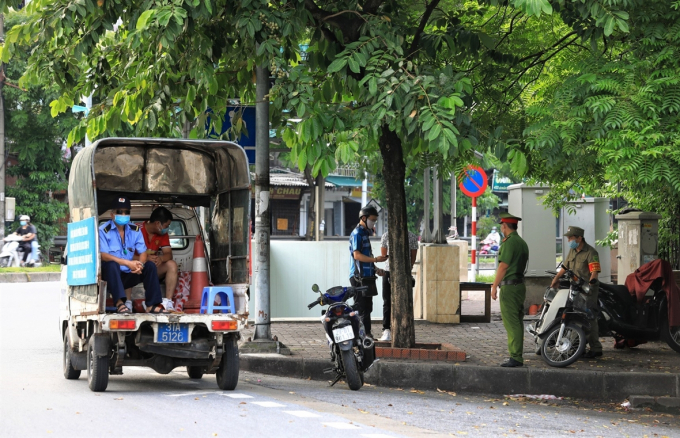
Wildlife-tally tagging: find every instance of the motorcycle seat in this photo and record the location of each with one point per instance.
(620, 291)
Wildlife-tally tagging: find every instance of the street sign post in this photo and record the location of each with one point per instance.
(473, 183)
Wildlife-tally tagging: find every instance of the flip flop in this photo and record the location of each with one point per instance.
(122, 308)
(157, 309)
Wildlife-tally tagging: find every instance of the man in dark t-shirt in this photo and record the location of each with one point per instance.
(30, 243)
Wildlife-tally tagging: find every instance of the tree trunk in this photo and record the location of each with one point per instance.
(394, 173)
(312, 200)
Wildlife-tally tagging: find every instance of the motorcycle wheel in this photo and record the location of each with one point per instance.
(571, 346)
(349, 362)
(670, 334)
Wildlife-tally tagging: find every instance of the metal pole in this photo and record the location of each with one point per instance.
(88, 105)
(3, 163)
(439, 236)
(474, 237)
(320, 207)
(454, 214)
(364, 191)
(262, 220)
(427, 234)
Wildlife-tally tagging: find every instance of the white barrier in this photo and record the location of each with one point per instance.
(297, 265)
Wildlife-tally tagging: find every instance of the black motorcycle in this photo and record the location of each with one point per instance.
(632, 323)
(352, 352)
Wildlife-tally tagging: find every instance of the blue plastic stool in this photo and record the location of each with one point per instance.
(208, 300)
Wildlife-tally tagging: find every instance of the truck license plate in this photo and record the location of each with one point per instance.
(172, 333)
(343, 333)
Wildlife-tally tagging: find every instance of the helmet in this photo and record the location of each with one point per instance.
(494, 229)
(25, 218)
(369, 210)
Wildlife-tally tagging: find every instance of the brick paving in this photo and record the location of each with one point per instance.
(485, 344)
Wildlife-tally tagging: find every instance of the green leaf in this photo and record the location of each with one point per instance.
(301, 109)
(434, 132)
(353, 65)
(609, 26)
(622, 25)
(302, 159)
(373, 86)
(144, 18)
(191, 94)
(337, 65)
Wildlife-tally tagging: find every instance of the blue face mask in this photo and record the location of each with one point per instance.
(23, 223)
(121, 219)
(165, 230)
(573, 244)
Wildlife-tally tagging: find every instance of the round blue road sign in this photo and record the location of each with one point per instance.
(473, 181)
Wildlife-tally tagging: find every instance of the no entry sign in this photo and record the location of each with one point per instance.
(473, 181)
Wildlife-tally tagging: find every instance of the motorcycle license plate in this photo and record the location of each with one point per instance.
(172, 333)
(343, 333)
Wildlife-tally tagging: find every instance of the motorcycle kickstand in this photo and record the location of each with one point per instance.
(337, 379)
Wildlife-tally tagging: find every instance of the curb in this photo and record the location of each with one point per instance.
(594, 385)
(25, 277)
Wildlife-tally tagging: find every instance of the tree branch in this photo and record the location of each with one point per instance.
(421, 27)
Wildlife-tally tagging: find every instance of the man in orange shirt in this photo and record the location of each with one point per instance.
(155, 232)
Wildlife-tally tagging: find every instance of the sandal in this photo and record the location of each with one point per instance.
(157, 309)
(122, 308)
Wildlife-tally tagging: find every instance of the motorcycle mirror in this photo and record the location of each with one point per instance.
(315, 287)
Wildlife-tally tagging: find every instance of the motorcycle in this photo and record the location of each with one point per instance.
(489, 246)
(352, 352)
(620, 315)
(12, 254)
(560, 331)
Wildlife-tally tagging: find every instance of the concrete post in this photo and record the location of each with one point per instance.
(262, 220)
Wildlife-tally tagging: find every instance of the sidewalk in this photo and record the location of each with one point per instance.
(650, 369)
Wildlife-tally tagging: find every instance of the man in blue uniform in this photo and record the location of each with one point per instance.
(361, 268)
(119, 240)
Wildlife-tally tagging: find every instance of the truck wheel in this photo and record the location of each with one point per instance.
(97, 370)
(227, 373)
(349, 362)
(70, 373)
(669, 334)
(195, 372)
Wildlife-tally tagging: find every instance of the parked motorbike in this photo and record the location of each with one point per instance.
(560, 332)
(620, 316)
(352, 352)
(12, 254)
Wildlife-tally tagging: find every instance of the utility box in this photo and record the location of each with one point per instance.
(638, 241)
(591, 215)
(10, 209)
(537, 226)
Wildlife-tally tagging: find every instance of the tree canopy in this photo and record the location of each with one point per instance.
(425, 82)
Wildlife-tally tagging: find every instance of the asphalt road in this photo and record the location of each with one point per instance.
(35, 399)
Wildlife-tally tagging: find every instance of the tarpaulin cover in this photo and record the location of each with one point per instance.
(638, 284)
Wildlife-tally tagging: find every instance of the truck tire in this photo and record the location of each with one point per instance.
(70, 373)
(349, 362)
(97, 369)
(195, 372)
(227, 373)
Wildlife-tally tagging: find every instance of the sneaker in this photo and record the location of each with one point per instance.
(386, 336)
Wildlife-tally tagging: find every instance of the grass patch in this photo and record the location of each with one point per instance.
(485, 278)
(44, 268)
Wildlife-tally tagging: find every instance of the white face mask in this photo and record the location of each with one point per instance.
(370, 224)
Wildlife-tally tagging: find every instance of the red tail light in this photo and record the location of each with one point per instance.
(337, 311)
(122, 324)
(224, 325)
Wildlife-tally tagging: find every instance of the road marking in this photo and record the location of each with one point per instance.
(341, 425)
(237, 395)
(269, 404)
(192, 393)
(303, 414)
(376, 435)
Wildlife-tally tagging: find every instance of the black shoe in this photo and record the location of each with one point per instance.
(511, 363)
(591, 354)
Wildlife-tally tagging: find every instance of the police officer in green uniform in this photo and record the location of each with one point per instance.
(584, 261)
(512, 258)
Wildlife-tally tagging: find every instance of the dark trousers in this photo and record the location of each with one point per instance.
(387, 301)
(117, 281)
(364, 305)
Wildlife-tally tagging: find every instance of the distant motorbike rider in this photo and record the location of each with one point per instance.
(362, 271)
(495, 238)
(585, 262)
(30, 243)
